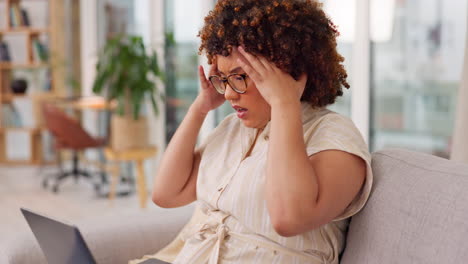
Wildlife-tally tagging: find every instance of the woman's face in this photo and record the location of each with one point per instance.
(250, 106)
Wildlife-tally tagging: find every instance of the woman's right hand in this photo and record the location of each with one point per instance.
(208, 98)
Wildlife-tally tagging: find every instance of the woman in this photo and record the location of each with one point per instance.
(277, 181)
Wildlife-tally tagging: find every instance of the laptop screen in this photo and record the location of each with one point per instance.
(61, 243)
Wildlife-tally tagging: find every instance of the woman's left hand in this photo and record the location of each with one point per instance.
(275, 85)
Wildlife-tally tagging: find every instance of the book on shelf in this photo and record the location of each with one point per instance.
(16, 117)
(4, 52)
(25, 17)
(11, 117)
(13, 22)
(48, 82)
(18, 16)
(7, 119)
(40, 51)
(24, 113)
(15, 19)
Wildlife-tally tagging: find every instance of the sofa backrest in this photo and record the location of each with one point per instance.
(417, 212)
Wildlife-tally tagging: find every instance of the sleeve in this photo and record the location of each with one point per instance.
(336, 132)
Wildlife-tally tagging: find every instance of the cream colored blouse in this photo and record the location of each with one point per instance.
(232, 224)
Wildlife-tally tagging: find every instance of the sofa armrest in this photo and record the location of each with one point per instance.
(119, 238)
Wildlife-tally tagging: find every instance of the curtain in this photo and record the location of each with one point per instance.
(460, 135)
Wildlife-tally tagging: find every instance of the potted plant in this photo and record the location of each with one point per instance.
(127, 74)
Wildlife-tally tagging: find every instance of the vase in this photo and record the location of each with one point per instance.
(19, 86)
(128, 133)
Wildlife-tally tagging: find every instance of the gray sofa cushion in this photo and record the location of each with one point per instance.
(417, 212)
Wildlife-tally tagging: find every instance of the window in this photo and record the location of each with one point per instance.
(416, 72)
(183, 20)
(343, 13)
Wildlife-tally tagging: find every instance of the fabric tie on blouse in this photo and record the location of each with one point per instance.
(214, 232)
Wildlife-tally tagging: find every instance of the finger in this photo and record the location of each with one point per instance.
(248, 68)
(244, 59)
(252, 60)
(214, 68)
(251, 72)
(267, 64)
(201, 74)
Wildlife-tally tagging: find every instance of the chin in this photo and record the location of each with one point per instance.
(248, 124)
(252, 124)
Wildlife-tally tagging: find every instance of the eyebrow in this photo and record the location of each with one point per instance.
(232, 71)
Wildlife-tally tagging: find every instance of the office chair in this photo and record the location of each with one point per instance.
(69, 135)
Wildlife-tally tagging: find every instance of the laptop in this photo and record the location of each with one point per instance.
(62, 243)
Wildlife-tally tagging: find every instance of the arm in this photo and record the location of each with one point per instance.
(319, 187)
(301, 192)
(175, 181)
(176, 177)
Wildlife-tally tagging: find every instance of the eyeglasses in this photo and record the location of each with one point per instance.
(236, 81)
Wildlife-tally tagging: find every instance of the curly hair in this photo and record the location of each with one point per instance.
(296, 35)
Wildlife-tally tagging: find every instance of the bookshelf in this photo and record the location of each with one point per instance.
(37, 42)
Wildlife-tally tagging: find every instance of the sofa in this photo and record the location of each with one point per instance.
(417, 213)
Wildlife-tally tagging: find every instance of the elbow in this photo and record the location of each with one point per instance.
(288, 228)
(284, 228)
(285, 224)
(288, 225)
(159, 200)
(160, 197)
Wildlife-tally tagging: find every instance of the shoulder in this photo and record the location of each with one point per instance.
(325, 129)
(337, 122)
(323, 120)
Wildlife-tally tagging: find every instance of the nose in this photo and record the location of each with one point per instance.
(230, 94)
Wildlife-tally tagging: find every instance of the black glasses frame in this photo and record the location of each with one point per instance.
(225, 81)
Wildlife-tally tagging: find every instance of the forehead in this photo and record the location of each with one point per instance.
(226, 64)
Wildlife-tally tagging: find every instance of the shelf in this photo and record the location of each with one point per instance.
(9, 66)
(49, 34)
(9, 97)
(18, 162)
(22, 129)
(14, 163)
(24, 30)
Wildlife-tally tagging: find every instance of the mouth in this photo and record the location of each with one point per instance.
(241, 111)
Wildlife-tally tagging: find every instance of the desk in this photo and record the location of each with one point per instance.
(86, 103)
(138, 156)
